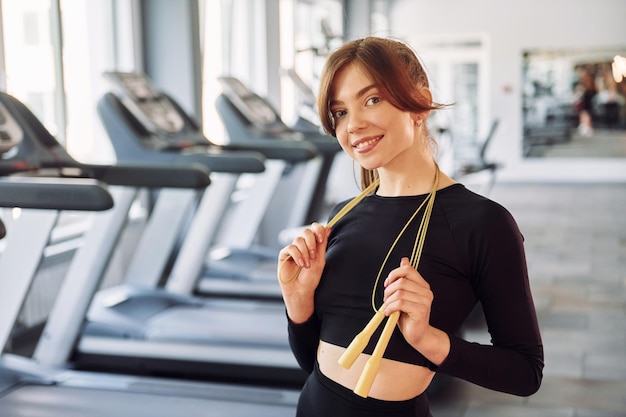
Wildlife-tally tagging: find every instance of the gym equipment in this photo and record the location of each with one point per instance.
(27, 386)
(135, 328)
(40, 155)
(246, 114)
(477, 163)
(144, 125)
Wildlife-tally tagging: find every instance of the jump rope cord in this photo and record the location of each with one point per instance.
(345, 209)
(419, 241)
(361, 340)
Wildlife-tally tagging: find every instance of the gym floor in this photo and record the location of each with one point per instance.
(575, 237)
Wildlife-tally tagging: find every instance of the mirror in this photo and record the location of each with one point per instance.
(574, 103)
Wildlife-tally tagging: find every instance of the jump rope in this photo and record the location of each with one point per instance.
(361, 340)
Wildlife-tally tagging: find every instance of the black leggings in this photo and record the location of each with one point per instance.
(323, 397)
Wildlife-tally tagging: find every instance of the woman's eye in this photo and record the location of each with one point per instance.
(373, 100)
(337, 114)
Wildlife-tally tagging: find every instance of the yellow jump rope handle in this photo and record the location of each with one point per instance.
(370, 370)
(361, 340)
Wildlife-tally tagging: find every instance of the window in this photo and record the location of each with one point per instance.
(309, 30)
(55, 52)
(32, 67)
(88, 51)
(31, 28)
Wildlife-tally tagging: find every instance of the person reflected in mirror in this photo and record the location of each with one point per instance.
(586, 92)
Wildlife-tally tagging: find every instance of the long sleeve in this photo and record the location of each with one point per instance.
(514, 361)
(303, 340)
(515, 370)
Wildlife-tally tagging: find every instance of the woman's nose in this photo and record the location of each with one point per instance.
(355, 123)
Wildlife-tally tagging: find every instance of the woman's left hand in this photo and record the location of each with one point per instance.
(407, 291)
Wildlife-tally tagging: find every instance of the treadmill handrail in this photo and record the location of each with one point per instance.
(290, 151)
(39, 152)
(55, 194)
(151, 176)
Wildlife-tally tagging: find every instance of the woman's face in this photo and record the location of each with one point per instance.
(368, 127)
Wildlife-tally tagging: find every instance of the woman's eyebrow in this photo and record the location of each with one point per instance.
(358, 94)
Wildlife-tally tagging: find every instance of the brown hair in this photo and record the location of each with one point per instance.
(396, 71)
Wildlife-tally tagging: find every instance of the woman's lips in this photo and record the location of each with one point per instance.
(364, 143)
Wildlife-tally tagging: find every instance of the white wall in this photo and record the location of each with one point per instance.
(511, 28)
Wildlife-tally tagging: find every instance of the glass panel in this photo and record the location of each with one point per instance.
(380, 18)
(213, 33)
(230, 46)
(88, 51)
(61, 88)
(573, 105)
(309, 30)
(465, 112)
(32, 72)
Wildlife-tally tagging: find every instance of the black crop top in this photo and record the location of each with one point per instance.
(473, 252)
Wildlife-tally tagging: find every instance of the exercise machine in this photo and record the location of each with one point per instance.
(27, 388)
(141, 329)
(146, 124)
(246, 114)
(50, 181)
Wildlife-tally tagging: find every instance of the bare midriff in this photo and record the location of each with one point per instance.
(395, 381)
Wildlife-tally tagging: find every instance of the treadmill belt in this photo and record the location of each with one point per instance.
(60, 401)
(220, 326)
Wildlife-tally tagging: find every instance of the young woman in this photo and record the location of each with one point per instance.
(418, 245)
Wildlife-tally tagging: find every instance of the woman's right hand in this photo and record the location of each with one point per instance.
(300, 266)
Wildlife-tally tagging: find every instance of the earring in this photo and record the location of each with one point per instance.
(418, 123)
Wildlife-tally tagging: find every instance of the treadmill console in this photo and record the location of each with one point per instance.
(11, 133)
(152, 109)
(254, 108)
(141, 119)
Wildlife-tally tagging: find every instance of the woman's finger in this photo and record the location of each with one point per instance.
(405, 270)
(304, 248)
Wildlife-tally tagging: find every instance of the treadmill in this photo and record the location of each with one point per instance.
(30, 388)
(141, 330)
(246, 114)
(238, 265)
(27, 388)
(147, 125)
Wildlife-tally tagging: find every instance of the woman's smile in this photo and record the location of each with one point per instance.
(366, 144)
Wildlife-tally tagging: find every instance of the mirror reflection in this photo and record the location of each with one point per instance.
(574, 103)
